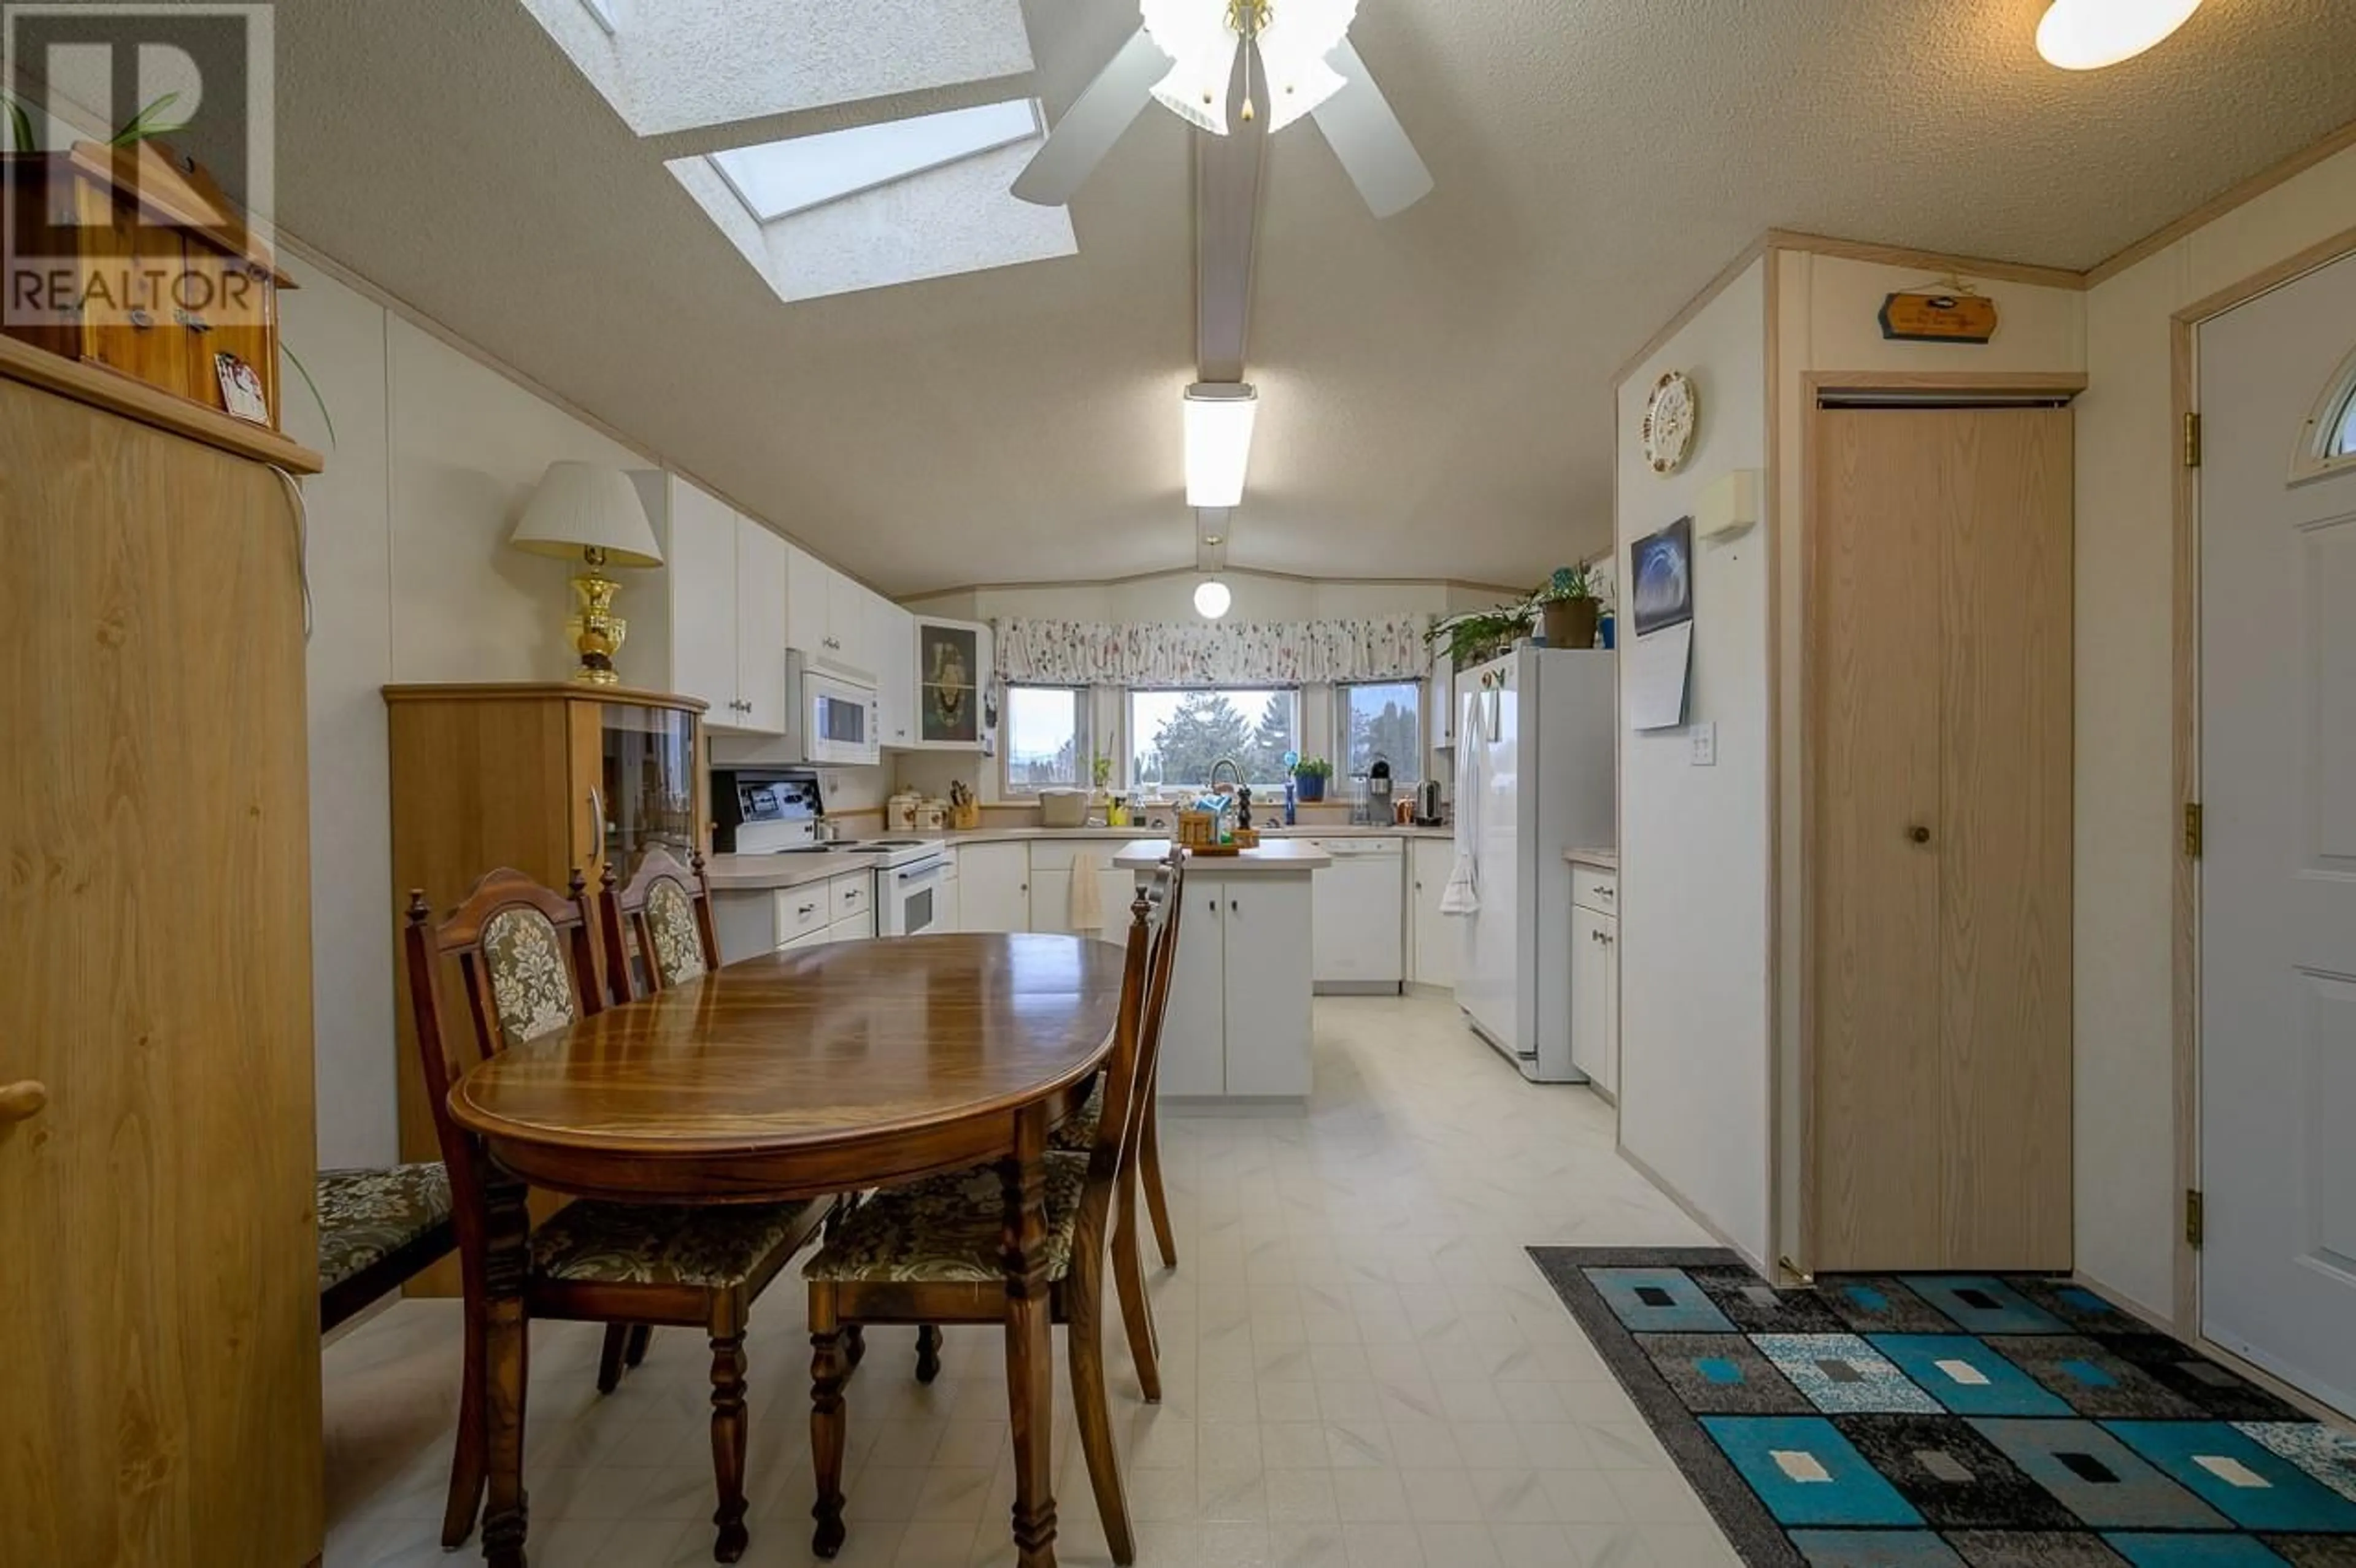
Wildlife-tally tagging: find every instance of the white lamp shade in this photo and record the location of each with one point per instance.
(580, 507)
(2087, 35)
(1219, 421)
(1212, 600)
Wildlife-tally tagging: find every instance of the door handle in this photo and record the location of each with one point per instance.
(1919, 834)
(1235, 908)
(596, 824)
(23, 1102)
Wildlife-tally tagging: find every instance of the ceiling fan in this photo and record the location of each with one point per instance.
(1298, 52)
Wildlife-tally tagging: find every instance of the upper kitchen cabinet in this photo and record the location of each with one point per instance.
(829, 618)
(895, 638)
(952, 667)
(727, 613)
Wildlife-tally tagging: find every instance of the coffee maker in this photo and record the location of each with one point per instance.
(1373, 809)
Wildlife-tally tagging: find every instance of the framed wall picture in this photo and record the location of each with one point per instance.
(948, 684)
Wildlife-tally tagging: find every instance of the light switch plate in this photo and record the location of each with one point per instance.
(1705, 745)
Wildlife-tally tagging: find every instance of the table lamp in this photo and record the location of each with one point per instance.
(582, 511)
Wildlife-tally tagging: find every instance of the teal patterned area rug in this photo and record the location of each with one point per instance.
(1948, 1421)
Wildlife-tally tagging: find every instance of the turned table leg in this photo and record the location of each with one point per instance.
(1030, 1368)
(506, 1346)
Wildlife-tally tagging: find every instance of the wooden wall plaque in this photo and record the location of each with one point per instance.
(1938, 318)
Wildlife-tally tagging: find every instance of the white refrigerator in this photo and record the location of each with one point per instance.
(1542, 780)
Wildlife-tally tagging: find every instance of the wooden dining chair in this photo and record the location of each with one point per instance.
(524, 960)
(932, 1251)
(663, 915)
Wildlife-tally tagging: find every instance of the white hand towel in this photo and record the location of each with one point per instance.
(1462, 895)
(1087, 904)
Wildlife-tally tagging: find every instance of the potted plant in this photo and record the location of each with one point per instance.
(1568, 606)
(1476, 636)
(1308, 777)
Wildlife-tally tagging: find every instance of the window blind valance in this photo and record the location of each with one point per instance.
(1276, 653)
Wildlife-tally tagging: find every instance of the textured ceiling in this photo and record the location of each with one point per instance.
(1435, 397)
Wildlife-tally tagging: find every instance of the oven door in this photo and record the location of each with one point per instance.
(914, 897)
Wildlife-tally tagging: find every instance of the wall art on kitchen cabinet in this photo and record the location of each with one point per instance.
(948, 684)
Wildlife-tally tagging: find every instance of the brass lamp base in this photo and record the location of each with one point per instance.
(594, 627)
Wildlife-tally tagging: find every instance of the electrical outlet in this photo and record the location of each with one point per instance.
(1705, 745)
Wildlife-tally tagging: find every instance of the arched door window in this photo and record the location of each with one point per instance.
(2328, 442)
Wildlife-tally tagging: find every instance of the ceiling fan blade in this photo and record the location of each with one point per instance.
(1370, 140)
(1105, 109)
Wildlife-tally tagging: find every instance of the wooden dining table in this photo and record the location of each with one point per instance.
(796, 1075)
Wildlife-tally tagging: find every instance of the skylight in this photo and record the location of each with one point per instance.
(777, 178)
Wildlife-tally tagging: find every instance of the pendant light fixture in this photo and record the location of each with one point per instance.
(1211, 599)
(2087, 35)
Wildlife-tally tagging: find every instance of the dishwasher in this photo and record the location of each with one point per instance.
(1356, 945)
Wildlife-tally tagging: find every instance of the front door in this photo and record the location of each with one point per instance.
(2278, 870)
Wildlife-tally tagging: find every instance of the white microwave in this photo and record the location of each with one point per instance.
(836, 721)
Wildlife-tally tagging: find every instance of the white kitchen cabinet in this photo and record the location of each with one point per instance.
(1595, 977)
(810, 586)
(946, 916)
(1051, 898)
(1194, 1029)
(727, 582)
(1440, 697)
(850, 616)
(1238, 1025)
(1433, 937)
(993, 887)
(701, 564)
(894, 636)
(760, 629)
(1266, 1001)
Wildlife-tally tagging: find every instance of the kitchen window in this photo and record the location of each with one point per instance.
(1175, 736)
(1380, 720)
(1046, 738)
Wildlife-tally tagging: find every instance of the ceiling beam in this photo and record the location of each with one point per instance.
(1228, 177)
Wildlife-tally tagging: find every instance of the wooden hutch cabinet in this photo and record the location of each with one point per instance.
(545, 778)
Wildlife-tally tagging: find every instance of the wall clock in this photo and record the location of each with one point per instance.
(1672, 415)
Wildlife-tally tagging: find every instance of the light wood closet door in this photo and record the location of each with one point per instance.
(1939, 826)
(159, 1388)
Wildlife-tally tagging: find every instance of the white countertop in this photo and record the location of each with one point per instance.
(768, 873)
(1602, 860)
(1273, 858)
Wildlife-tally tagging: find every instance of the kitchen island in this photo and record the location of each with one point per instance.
(1238, 1026)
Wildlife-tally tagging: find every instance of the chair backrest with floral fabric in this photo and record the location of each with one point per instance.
(524, 959)
(664, 913)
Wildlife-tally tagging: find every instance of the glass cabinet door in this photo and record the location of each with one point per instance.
(649, 756)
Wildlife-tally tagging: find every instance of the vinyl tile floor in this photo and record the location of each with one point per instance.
(1361, 1369)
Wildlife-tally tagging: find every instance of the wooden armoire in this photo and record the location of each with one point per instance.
(159, 1392)
(546, 778)
(1937, 1120)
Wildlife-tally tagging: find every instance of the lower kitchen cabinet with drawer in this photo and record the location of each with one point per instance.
(1595, 975)
(838, 909)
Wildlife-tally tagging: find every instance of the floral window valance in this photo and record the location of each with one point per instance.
(1289, 652)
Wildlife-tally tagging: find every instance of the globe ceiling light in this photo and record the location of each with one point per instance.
(2087, 35)
(1211, 599)
(1291, 40)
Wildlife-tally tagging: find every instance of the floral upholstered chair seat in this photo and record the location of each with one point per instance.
(710, 1247)
(1078, 1132)
(365, 1216)
(948, 1229)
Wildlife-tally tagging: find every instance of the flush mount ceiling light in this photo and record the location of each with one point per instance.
(1211, 599)
(1219, 419)
(1203, 39)
(2087, 35)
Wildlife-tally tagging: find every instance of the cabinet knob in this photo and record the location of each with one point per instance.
(23, 1102)
(1919, 834)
